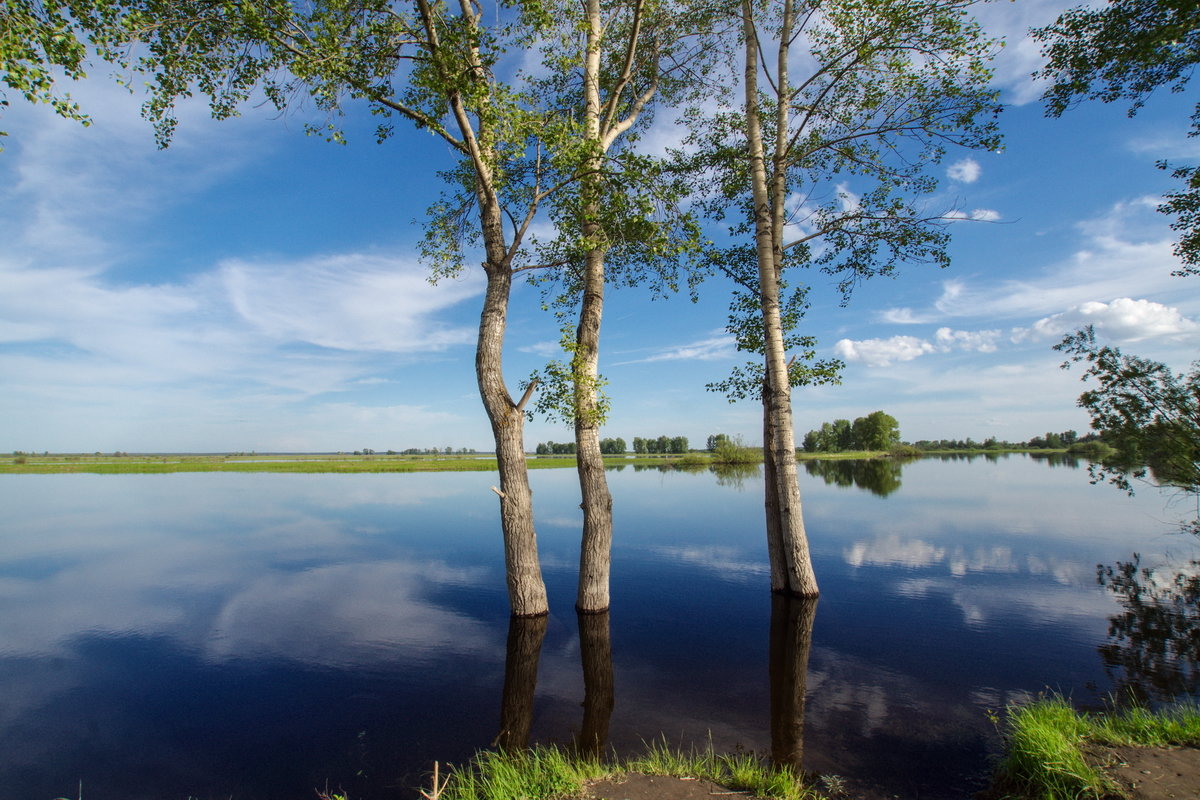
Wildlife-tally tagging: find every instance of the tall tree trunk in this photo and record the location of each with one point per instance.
(525, 636)
(779, 578)
(595, 650)
(791, 641)
(801, 580)
(595, 551)
(523, 571)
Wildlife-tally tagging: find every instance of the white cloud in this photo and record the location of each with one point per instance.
(1021, 55)
(965, 171)
(947, 339)
(546, 349)
(977, 215)
(1126, 251)
(1123, 320)
(349, 302)
(882, 352)
(715, 348)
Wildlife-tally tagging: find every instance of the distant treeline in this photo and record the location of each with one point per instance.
(1047, 441)
(607, 446)
(616, 446)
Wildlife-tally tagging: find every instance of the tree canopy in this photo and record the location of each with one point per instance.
(1148, 412)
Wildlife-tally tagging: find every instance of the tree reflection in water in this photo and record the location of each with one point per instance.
(734, 475)
(791, 640)
(790, 643)
(595, 649)
(879, 476)
(1153, 652)
(525, 637)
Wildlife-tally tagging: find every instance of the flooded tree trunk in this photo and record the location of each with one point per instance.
(595, 552)
(523, 571)
(595, 650)
(525, 636)
(768, 224)
(779, 581)
(791, 642)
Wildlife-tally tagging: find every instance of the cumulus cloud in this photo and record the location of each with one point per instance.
(882, 352)
(1123, 320)
(965, 171)
(948, 339)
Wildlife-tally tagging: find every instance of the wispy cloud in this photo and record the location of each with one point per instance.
(716, 348)
(546, 349)
(1123, 253)
(348, 302)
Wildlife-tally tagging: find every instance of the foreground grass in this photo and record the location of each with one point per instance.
(1045, 741)
(548, 773)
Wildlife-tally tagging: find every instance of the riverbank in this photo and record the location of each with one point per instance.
(1052, 752)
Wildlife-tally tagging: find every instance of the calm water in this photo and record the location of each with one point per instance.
(259, 636)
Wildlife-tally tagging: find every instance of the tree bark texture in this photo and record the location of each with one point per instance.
(779, 578)
(791, 641)
(768, 224)
(595, 552)
(525, 636)
(523, 571)
(595, 650)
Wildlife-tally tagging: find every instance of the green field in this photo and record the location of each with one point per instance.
(292, 462)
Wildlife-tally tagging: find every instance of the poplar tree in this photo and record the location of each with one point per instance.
(610, 63)
(430, 63)
(831, 170)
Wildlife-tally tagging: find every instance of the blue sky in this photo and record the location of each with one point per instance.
(253, 288)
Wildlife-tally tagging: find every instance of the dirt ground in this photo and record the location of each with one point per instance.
(1153, 773)
(1145, 773)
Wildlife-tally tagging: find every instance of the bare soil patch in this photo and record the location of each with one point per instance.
(1152, 773)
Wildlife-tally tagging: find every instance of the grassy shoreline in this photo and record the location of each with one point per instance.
(153, 463)
(1045, 744)
(551, 773)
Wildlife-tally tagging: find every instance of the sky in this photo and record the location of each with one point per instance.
(252, 288)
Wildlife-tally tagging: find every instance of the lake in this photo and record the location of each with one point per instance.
(259, 636)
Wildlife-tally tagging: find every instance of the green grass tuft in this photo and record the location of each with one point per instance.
(550, 773)
(1045, 739)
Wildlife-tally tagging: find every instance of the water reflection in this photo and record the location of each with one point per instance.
(1058, 459)
(525, 637)
(595, 651)
(791, 641)
(879, 476)
(1153, 652)
(735, 475)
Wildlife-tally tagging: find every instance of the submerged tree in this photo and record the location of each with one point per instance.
(618, 217)
(830, 170)
(430, 63)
